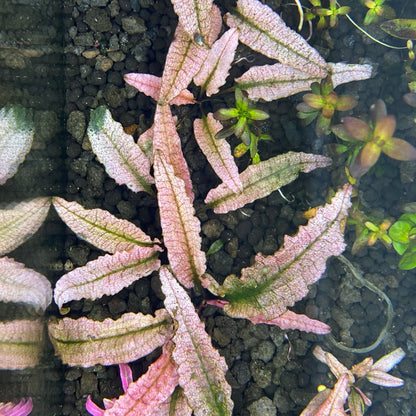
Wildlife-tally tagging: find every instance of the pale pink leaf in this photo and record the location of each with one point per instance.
(19, 221)
(107, 275)
(336, 367)
(218, 152)
(100, 228)
(195, 17)
(263, 178)
(23, 408)
(20, 284)
(384, 379)
(126, 375)
(264, 31)
(200, 367)
(167, 140)
(150, 85)
(388, 361)
(150, 390)
(276, 282)
(16, 136)
(123, 160)
(315, 403)
(176, 405)
(270, 82)
(145, 142)
(291, 320)
(180, 227)
(21, 344)
(215, 69)
(342, 72)
(84, 342)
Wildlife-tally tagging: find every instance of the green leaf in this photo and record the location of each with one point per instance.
(408, 261)
(399, 232)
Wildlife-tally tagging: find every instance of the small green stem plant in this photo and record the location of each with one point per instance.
(403, 234)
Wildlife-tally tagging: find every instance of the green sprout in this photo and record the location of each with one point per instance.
(243, 117)
(377, 9)
(403, 234)
(332, 11)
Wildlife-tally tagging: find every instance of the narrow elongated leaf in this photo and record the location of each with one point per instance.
(218, 152)
(275, 282)
(388, 361)
(342, 72)
(180, 226)
(263, 30)
(100, 228)
(107, 275)
(20, 284)
(263, 178)
(270, 82)
(123, 160)
(16, 136)
(214, 71)
(84, 342)
(200, 367)
(23, 408)
(151, 389)
(19, 221)
(382, 378)
(21, 344)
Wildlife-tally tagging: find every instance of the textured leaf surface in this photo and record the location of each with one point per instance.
(263, 178)
(16, 135)
(151, 389)
(201, 369)
(21, 344)
(215, 69)
(342, 73)
(123, 160)
(180, 226)
(20, 284)
(275, 282)
(84, 342)
(263, 30)
(19, 221)
(388, 361)
(107, 275)
(270, 82)
(218, 152)
(100, 228)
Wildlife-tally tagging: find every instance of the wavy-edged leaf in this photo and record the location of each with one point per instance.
(107, 275)
(16, 136)
(218, 152)
(21, 344)
(23, 408)
(180, 227)
(342, 72)
(123, 160)
(150, 85)
(19, 221)
(264, 31)
(263, 178)
(215, 69)
(276, 282)
(151, 389)
(84, 342)
(200, 367)
(270, 82)
(100, 228)
(167, 140)
(20, 284)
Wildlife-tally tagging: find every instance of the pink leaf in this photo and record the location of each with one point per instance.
(270, 82)
(126, 376)
(100, 228)
(336, 367)
(387, 362)
(107, 275)
(342, 73)
(84, 342)
(21, 344)
(150, 85)
(263, 178)
(92, 408)
(215, 69)
(166, 139)
(218, 152)
(263, 30)
(291, 320)
(276, 282)
(122, 158)
(20, 284)
(384, 379)
(180, 226)
(150, 390)
(201, 369)
(19, 221)
(145, 142)
(23, 408)
(16, 135)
